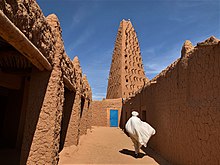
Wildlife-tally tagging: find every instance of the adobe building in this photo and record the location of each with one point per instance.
(46, 101)
(183, 104)
(44, 97)
(127, 72)
(125, 78)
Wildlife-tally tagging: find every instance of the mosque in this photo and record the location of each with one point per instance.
(46, 102)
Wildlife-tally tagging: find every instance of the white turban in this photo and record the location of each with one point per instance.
(134, 113)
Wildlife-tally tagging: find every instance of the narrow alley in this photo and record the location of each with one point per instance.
(106, 145)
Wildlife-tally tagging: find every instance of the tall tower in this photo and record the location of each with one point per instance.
(127, 73)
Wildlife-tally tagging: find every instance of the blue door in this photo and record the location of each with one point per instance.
(113, 118)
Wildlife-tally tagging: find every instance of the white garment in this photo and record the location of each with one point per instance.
(139, 130)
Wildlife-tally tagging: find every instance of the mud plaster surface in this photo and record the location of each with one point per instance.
(104, 145)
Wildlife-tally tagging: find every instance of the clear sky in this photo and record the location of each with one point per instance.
(89, 29)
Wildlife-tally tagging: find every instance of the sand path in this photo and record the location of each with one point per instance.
(105, 145)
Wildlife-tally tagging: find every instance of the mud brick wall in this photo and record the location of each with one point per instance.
(80, 118)
(183, 104)
(81, 92)
(45, 131)
(85, 114)
(100, 111)
(52, 118)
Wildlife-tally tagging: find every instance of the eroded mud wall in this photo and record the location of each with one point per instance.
(44, 139)
(28, 17)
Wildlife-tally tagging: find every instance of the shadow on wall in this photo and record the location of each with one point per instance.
(69, 98)
(36, 96)
(123, 119)
(19, 116)
(11, 128)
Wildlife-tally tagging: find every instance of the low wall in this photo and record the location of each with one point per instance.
(101, 109)
(182, 103)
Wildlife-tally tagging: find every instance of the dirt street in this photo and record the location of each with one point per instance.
(105, 145)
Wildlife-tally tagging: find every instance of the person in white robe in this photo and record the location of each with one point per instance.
(139, 131)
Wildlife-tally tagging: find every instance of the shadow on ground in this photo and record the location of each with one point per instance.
(131, 153)
(151, 153)
(148, 152)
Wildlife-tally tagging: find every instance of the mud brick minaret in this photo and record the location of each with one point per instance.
(127, 73)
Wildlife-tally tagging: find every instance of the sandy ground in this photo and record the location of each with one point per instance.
(106, 145)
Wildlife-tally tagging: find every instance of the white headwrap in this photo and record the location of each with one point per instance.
(134, 113)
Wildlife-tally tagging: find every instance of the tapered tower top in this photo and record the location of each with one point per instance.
(127, 73)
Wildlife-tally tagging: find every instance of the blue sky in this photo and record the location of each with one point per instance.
(89, 29)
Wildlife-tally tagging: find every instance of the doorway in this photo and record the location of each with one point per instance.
(12, 120)
(113, 118)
